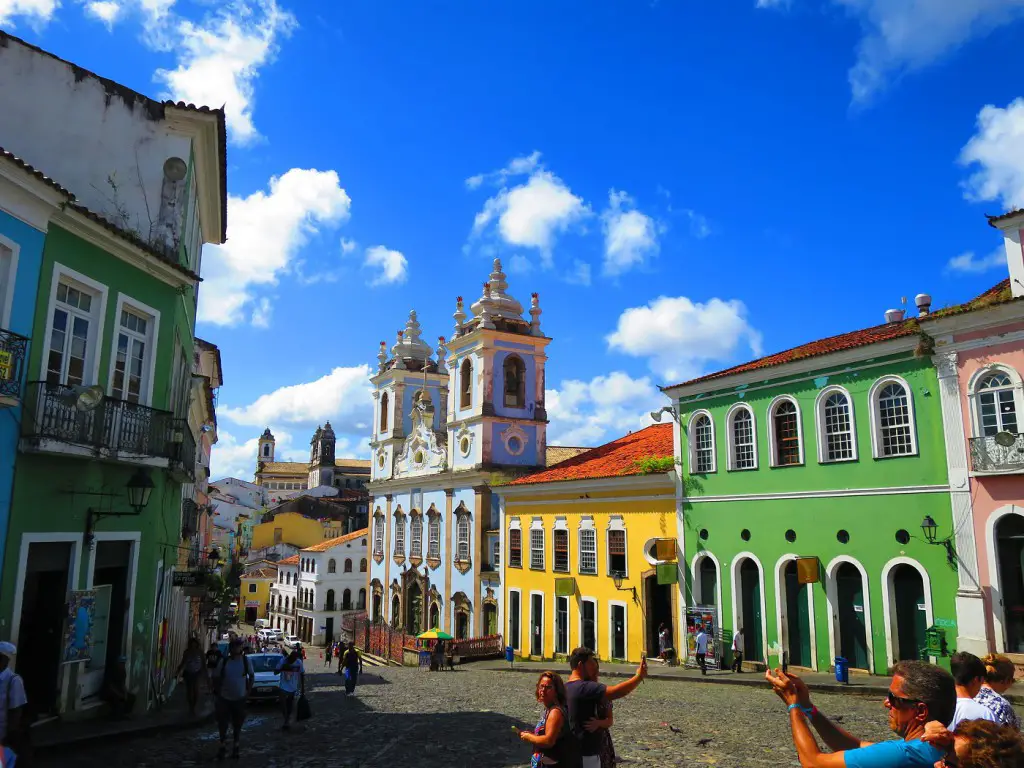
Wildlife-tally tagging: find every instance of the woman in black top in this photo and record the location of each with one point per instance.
(551, 738)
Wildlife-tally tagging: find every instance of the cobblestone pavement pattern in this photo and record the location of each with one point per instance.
(412, 718)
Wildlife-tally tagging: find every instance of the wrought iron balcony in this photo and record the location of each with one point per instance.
(991, 455)
(13, 350)
(114, 428)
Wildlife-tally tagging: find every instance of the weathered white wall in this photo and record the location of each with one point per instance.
(80, 131)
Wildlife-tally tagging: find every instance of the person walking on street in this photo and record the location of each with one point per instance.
(328, 653)
(14, 725)
(293, 682)
(233, 680)
(737, 651)
(585, 695)
(353, 666)
(969, 674)
(551, 740)
(701, 645)
(663, 641)
(190, 670)
(919, 693)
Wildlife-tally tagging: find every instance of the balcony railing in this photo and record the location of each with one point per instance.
(330, 606)
(13, 349)
(114, 426)
(988, 455)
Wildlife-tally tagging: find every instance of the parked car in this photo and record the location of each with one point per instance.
(290, 641)
(267, 684)
(276, 634)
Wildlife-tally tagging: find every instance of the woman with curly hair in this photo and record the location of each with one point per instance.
(551, 738)
(977, 744)
(999, 672)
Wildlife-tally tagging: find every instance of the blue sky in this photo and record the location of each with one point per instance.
(686, 184)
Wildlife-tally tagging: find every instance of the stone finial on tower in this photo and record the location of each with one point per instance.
(535, 312)
(486, 321)
(460, 314)
(441, 353)
(397, 352)
(382, 357)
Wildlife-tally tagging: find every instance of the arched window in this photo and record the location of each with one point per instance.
(330, 600)
(434, 536)
(785, 431)
(466, 384)
(997, 411)
(280, 578)
(378, 534)
(416, 535)
(702, 442)
(346, 600)
(361, 605)
(396, 611)
(348, 565)
(742, 440)
(362, 565)
(384, 412)
(286, 603)
(332, 566)
(266, 450)
(515, 382)
(892, 419)
(462, 538)
(399, 535)
(837, 440)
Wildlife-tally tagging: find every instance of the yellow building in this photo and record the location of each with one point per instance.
(255, 590)
(288, 528)
(581, 541)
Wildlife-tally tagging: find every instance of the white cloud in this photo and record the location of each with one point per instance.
(996, 152)
(968, 263)
(106, 11)
(474, 182)
(219, 59)
(265, 233)
(629, 235)
(699, 225)
(341, 397)
(231, 458)
(347, 246)
(679, 337)
(903, 36)
(579, 274)
(35, 12)
(606, 407)
(392, 265)
(531, 214)
(261, 313)
(519, 265)
(517, 166)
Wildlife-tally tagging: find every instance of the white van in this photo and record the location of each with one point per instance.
(262, 623)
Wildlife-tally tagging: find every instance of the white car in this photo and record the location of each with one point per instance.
(267, 683)
(290, 641)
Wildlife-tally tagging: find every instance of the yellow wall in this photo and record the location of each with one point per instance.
(645, 518)
(262, 594)
(296, 530)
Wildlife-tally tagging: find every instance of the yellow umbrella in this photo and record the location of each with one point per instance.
(434, 634)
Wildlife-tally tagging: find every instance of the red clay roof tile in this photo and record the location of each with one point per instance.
(323, 546)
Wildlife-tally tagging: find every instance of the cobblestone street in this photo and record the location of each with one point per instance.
(465, 718)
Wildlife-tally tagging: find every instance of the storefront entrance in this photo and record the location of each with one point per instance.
(750, 610)
(1009, 551)
(909, 616)
(798, 623)
(658, 611)
(853, 644)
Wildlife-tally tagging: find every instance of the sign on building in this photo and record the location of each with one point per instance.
(78, 629)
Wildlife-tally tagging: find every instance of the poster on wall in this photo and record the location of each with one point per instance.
(78, 628)
(697, 618)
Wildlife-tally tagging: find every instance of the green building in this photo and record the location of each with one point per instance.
(106, 459)
(832, 451)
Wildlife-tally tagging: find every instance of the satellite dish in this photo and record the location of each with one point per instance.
(1005, 439)
(83, 398)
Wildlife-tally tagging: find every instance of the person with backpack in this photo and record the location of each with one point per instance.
(293, 682)
(14, 726)
(353, 666)
(233, 680)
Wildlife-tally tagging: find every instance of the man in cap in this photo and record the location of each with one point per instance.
(13, 725)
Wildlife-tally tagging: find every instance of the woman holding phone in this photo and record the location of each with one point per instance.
(551, 739)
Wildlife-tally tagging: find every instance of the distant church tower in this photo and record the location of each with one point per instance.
(321, 457)
(265, 452)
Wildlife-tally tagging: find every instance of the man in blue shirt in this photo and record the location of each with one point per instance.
(919, 693)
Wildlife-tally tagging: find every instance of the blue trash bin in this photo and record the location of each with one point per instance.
(508, 653)
(842, 670)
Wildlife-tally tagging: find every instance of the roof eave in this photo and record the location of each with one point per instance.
(569, 485)
(208, 130)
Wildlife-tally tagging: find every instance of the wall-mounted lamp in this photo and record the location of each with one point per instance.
(930, 529)
(617, 580)
(140, 487)
(669, 409)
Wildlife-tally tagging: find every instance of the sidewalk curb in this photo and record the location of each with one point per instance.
(154, 729)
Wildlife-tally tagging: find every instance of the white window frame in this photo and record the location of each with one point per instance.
(399, 518)
(611, 628)
(587, 524)
(770, 424)
(876, 427)
(152, 317)
(730, 443)
(514, 525)
(973, 394)
(554, 624)
(819, 425)
(692, 441)
(597, 622)
(515, 639)
(415, 547)
(561, 524)
(7, 301)
(537, 526)
(434, 542)
(543, 620)
(616, 523)
(98, 315)
(459, 541)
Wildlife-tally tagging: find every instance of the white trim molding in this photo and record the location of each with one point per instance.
(820, 426)
(773, 458)
(889, 613)
(737, 562)
(833, 606)
(891, 491)
(695, 575)
(692, 442)
(782, 609)
(152, 341)
(98, 315)
(730, 436)
(7, 300)
(972, 393)
(994, 576)
(876, 426)
(597, 623)
(543, 621)
(515, 642)
(612, 604)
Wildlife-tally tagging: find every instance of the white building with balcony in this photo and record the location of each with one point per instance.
(332, 582)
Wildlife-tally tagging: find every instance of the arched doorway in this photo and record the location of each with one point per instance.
(798, 620)
(707, 578)
(909, 619)
(461, 625)
(376, 607)
(396, 612)
(850, 608)
(750, 610)
(414, 610)
(1009, 539)
(490, 619)
(435, 616)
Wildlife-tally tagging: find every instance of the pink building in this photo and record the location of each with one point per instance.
(986, 351)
